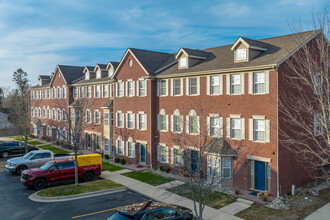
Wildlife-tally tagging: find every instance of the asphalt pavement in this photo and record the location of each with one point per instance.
(15, 204)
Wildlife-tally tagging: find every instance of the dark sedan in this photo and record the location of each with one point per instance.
(14, 148)
(152, 210)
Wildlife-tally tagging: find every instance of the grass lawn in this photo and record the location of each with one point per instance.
(110, 167)
(19, 138)
(215, 200)
(67, 190)
(296, 211)
(54, 149)
(148, 177)
(34, 142)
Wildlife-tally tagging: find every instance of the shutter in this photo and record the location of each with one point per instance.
(133, 88)
(267, 123)
(158, 126)
(251, 129)
(243, 128)
(221, 126)
(208, 125)
(145, 87)
(166, 87)
(126, 149)
(182, 121)
(145, 121)
(187, 124)
(123, 144)
(157, 87)
(137, 121)
(187, 86)
(133, 145)
(250, 83)
(101, 90)
(126, 116)
(228, 84)
(221, 84)
(242, 83)
(267, 82)
(157, 152)
(198, 125)
(182, 159)
(208, 88)
(126, 89)
(172, 86)
(198, 86)
(137, 88)
(115, 119)
(167, 155)
(117, 143)
(172, 155)
(181, 86)
(133, 121)
(172, 123)
(116, 88)
(166, 122)
(228, 127)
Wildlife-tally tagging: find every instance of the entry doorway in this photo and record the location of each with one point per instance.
(193, 160)
(260, 175)
(142, 154)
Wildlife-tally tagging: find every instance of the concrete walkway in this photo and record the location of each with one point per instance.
(321, 213)
(159, 194)
(237, 206)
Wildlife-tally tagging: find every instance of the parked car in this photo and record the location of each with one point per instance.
(14, 148)
(151, 210)
(33, 159)
(62, 171)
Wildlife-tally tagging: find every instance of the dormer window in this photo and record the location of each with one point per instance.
(40, 83)
(87, 76)
(110, 72)
(241, 54)
(98, 74)
(183, 62)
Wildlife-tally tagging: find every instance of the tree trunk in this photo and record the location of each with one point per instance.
(26, 144)
(76, 168)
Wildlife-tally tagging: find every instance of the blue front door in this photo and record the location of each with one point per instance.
(142, 153)
(260, 175)
(194, 161)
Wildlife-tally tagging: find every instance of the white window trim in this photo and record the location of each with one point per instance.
(138, 87)
(228, 126)
(188, 86)
(117, 119)
(133, 118)
(117, 88)
(173, 88)
(159, 146)
(138, 121)
(162, 113)
(158, 88)
(99, 113)
(130, 81)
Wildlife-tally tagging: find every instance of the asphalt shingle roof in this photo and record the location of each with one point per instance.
(220, 146)
(71, 73)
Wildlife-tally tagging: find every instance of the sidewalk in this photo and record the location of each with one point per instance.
(321, 213)
(159, 194)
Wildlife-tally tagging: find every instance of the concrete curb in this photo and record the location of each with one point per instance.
(34, 197)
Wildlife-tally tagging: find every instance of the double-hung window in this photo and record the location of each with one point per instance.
(162, 87)
(162, 122)
(241, 54)
(259, 83)
(177, 157)
(89, 116)
(97, 119)
(213, 166)
(59, 112)
(163, 154)
(105, 93)
(130, 149)
(318, 84)
(120, 120)
(193, 124)
(98, 142)
(142, 87)
(183, 62)
(130, 120)
(82, 92)
(142, 122)
(120, 146)
(75, 92)
(193, 86)
(64, 117)
(318, 128)
(106, 144)
(64, 93)
(120, 89)
(215, 126)
(214, 85)
(176, 87)
(177, 123)
(130, 88)
(54, 114)
(54, 93)
(236, 128)
(259, 130)
(97, 91)
(235, 84)
(89, 92)
(58, 92)
(106, 118)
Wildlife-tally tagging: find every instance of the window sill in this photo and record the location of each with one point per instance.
(255, 141)
(163, 130)
(235, 94)
(193, 95)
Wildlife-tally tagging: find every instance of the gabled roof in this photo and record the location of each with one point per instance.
(194, 53)
(44, 77)
(47, 85)
(108, 104)
(220, 147)
(101, 66)
(222, 58)
(89, 68)
(249, 43)
(113, 64)
(71, 73)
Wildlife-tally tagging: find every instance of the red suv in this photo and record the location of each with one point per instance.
(56, 172)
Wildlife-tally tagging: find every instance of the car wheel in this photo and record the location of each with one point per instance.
(39, 184)
(5, 154)
(89, 176)
(20, 169)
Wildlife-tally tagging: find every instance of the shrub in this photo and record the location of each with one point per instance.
(43, 138)
(117, 160)
(166, 169)
(47, 139)
(123, 161)
(62, 144)
(32, 136)
(57, 143)
(107, 156)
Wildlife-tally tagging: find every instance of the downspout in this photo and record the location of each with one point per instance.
(277, 179)
(150, 121)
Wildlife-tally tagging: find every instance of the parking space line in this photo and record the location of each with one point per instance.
(93, 213)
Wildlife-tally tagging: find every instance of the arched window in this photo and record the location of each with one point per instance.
(177, 121)
(192, 122)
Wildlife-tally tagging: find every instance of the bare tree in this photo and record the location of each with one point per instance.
(305, 104)
(20, 104)
(199, 151)
(73, 117)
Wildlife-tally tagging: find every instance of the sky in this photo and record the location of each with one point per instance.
(36, 35)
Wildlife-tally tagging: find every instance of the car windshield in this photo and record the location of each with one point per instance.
(28, 155)
(119, 216)
(47, 165)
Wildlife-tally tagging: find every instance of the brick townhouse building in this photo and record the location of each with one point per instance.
(137, 106)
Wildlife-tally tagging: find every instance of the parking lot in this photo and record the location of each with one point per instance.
(15, 204)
